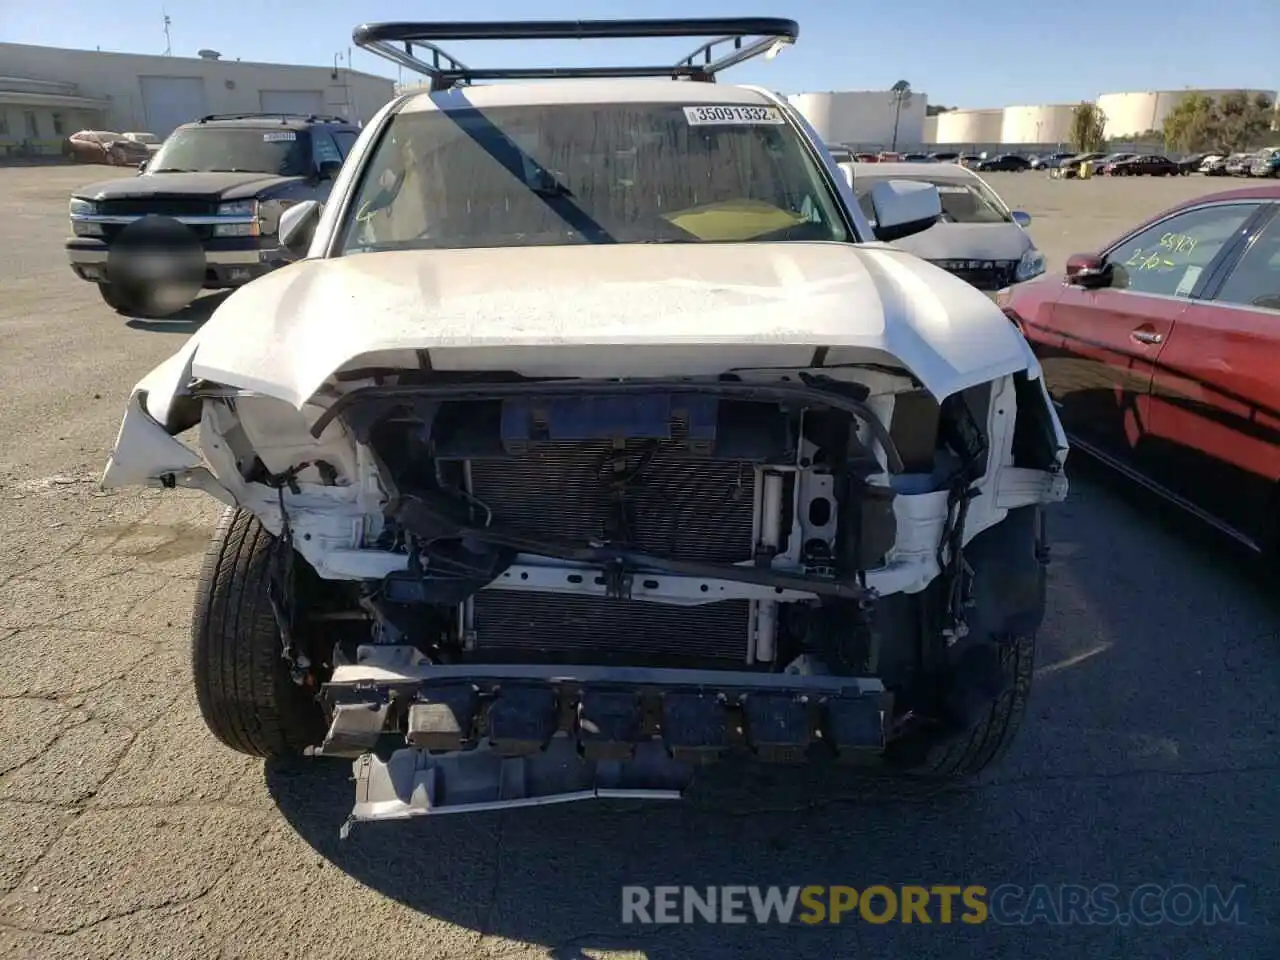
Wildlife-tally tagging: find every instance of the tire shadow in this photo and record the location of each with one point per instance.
(187, 320)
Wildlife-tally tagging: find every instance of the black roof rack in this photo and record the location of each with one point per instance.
(273, 115)
(747, 36)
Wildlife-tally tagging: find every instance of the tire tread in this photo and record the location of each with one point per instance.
(243, 687)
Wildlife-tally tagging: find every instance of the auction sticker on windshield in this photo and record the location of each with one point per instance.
(276, 136)
(731, 114)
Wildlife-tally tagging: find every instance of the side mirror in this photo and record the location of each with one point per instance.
(298, 227)
(904, 207)
(328, 169)
(1088, 270)
(1021, 218)
(142, 165)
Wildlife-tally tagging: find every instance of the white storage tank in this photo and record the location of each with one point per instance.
(971, 126)
(1129, 114)
(863, 117)
(1048, 123)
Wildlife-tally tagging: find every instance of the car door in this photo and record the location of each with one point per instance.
(1214, 423)
(1100, 346)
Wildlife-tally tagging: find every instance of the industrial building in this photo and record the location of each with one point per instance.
(865, 119)
(1129, 114)
(1048, 127)
(48, 93)
(970, 126)
(1046, 124)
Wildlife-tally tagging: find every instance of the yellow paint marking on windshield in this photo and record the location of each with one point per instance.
(733, 220)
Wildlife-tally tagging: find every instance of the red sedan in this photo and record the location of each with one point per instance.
(1161, 353)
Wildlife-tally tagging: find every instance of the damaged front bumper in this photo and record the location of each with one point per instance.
(431, 739)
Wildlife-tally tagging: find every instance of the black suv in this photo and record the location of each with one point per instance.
(214, 191)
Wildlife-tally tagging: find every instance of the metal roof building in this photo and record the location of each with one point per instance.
(48, 93)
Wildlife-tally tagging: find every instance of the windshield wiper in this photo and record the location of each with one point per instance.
(544, 185)
(173, 170)
(551, 189)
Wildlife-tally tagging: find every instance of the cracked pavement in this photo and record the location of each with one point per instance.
(1149, 753)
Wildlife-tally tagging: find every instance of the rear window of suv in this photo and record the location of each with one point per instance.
(206, 149)
(590, 173)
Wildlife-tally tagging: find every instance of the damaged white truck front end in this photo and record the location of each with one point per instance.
(536, 551)
(577, 453)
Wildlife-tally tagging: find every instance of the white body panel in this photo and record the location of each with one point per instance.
(566, 311)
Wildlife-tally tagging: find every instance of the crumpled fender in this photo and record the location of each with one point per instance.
(164, 390)
(147, 451)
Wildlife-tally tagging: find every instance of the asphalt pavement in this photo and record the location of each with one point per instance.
(1149, 754)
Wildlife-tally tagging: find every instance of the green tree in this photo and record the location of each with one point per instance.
(1231, 123)
(1193, 125)
(1244, 121)
(1088, 124)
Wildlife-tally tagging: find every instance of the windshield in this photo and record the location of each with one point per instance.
(229, 149)
(963, 201)
(590, 173)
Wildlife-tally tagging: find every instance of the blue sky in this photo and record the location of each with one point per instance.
(960, 53)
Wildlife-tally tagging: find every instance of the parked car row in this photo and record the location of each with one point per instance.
(1066, 165)
(1263, 163)
(843, 153)
(1050, 161)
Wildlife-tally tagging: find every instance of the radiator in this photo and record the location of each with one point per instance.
(588, 630)
(689, 508)
(681, 506)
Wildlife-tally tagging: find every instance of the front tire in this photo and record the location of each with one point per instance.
(987, 741)
(134, 303)
(243, 685)
(1009, 590)
(117, 300)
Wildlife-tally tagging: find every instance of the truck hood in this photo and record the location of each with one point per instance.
(605, 311)
(968, 241)
(214, 186)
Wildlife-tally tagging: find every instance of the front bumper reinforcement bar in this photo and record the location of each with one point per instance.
(432, 739)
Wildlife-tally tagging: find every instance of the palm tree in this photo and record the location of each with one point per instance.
(901, 93)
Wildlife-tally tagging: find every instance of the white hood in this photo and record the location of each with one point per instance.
(606, 311)
(968, 241)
